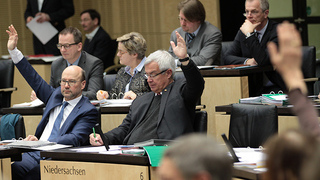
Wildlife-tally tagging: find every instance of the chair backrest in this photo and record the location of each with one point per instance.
(224, 48)
(108, 80)
(309, 65)
(19, 128)
(6, 81)
(201, 121)
(178, 75)
(251, 125)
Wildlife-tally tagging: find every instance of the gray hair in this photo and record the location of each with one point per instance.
(195, 153)
(164, 60)
(134, 43)
(264, 4)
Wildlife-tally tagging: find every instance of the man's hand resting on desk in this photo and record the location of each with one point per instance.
(251, 62)
(95, 141)
(31, 138)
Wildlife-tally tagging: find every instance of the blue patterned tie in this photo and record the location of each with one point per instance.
(191, 36)
(57, 122)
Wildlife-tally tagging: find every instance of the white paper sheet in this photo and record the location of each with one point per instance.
(43, 31)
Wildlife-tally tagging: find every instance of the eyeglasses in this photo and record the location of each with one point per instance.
(70, 82)
(253, 13)
(153, 75)
(66, 46)
(184, 20)
(122, 52)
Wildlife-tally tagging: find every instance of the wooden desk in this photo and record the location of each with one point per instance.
(111, 117)
(225, 87)
(88, 166)
(6, 156)
(286, 119)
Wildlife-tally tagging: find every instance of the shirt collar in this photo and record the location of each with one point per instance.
(196, 31)
(136, 69)
(76, 62)
(73, 102)
(263, 30)
(91, 35)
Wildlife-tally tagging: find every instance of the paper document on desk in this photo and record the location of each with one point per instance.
(250, 158)
(34, 103)
(29, 144)
(43, 31)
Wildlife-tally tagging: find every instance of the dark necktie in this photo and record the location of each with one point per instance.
(191, 36)
(258, 34)
(57, 122)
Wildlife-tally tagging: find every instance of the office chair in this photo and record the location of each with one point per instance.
(251, 125)
(6, 82)
(19, 128)
(200, 122)
(224, 48)
(108, 80)
(309, 66)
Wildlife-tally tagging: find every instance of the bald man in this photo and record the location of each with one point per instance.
(68, 117)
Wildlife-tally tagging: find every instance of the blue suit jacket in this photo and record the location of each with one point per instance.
(77, 127)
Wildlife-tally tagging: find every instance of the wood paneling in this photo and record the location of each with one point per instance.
(154, 19)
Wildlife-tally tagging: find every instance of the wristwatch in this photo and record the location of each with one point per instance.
(249, 34)
(184, 59)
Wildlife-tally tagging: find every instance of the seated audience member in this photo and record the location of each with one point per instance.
(287, 61)
(70, 123)
(169, 110)
(195, 157)
(250, 47)
(70, 45)
(98, 42)
(203, 39)
(288, 153)
(130, 81)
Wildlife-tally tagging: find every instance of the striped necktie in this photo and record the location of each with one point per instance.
(191, 36)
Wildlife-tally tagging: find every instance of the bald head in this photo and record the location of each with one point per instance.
(72, 82)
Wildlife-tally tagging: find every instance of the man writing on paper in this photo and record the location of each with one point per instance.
(68, 117)
(169, 110)
(250, 47)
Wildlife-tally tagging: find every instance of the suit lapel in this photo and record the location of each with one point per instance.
(44, 4)
(164, 98)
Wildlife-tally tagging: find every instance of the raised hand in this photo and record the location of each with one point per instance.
(13, 37)
(181, 49)
(287, 60)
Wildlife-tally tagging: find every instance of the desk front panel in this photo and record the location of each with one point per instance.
(31, 123)
(221, 91)
(71, 170)
(110, 121)
(24, 90)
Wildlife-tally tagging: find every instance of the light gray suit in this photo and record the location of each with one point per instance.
(94, 73)
(205, 48)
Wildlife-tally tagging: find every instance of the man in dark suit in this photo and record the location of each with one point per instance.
(250, 46)
(53, 11)
(169, 110)
(76, 118)
(98, 42)
(70, 46)
(203, 39)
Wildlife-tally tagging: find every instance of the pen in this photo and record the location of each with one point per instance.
(101, 94)
(94, 133)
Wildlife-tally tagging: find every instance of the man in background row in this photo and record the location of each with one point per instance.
(250, 47)
(203, 39)
(70, 46)
(53, 11)
(98, 42)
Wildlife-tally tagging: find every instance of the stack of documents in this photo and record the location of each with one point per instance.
(34, 103)
(250, 158)
(250, 100)
(276, 99)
